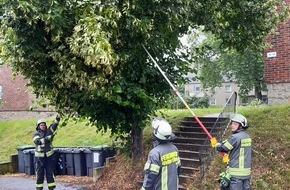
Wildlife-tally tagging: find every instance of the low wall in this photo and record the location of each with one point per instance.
(9, 167)
(278, 93)
(5, 167)
(13, 115)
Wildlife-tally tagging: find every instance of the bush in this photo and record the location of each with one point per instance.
(198, 102)
(193, 102)
(256, 102)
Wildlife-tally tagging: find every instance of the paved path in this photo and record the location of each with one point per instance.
(19, 183)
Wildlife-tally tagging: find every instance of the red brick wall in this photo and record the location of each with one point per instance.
(14, 91)
(277, 69)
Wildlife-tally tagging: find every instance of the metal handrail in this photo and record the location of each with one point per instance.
(206, 152)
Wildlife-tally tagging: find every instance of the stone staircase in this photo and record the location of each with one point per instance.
(190, 139)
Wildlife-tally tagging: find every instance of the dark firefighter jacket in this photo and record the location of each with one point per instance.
(239, 148)
(43, 140)
(162, 168)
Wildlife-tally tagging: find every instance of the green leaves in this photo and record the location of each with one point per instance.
(91, 43)
(242, 23)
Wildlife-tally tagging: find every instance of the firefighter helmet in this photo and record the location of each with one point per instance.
(40, 121)
(162, 129)
(240, 119)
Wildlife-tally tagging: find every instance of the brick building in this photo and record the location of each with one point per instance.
(13, 92)
(277, 64)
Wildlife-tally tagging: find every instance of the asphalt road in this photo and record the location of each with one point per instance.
(18, 183)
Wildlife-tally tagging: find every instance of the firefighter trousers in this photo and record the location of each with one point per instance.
(238, 184)
(44, 167)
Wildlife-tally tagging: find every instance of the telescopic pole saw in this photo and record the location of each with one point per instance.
(212, 139)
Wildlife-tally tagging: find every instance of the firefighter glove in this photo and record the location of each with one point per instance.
(47, 138)
(225, 179)
(57, 118)
(217, 145)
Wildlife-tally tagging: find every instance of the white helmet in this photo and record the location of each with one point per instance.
(162, 129)
(240, 119)
(40, 121)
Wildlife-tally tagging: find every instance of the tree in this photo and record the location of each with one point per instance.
(85, 56)
(218, 64)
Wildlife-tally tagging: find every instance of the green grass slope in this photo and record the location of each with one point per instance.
(16, 133)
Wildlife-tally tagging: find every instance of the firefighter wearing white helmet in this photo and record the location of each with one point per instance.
(44, 160)
(163, 162)
(240, 119)
(162, 129)
(239, 148)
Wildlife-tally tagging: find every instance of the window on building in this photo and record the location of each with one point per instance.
(265, 99)
(0, 92)
(228, 88)
(212, 101)
(197, 89)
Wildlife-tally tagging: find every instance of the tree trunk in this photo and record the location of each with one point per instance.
(258, 93)
(136, 141)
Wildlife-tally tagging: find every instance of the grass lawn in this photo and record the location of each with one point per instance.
(16, 133)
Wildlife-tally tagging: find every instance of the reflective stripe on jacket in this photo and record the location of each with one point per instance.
(43, 141)
(161, 168)
(239, 148)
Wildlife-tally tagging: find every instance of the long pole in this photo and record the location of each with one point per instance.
(212, 139)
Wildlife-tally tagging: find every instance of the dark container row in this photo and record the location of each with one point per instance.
(78, 161)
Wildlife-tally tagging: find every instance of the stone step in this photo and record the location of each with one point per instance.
(195, 124)
(189, 140)
(191, 154)
(188, 170)
(197, 129)
(181, 187)
(191, 134)
(190, 162)
(204, 119)
(184, 179)
(190, 147)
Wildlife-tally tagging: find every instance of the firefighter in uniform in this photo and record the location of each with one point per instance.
(238, 146)
(44, 161)
(163, 163)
